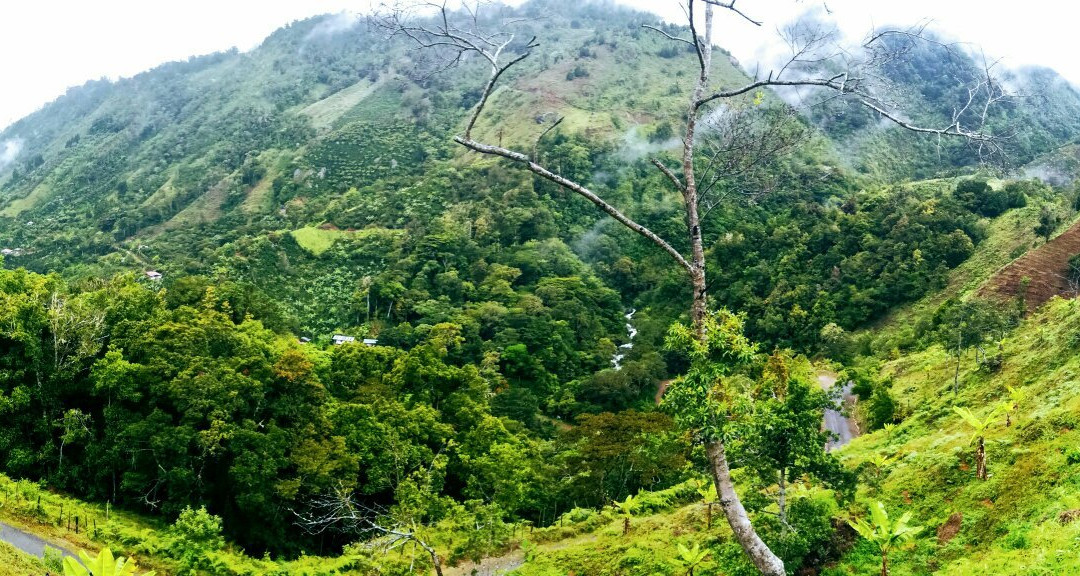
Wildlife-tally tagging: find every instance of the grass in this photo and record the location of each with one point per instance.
(260, 199)
(316, 240)
(16, 563)
(20, 205)
(329, 110)
(1012, 523)
(1009, 236)
(1019, 522)
(27, 506)
(205, 208)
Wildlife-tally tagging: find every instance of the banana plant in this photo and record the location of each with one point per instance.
(889, 427)
(884, 533)
(102, 565)
(979, 428)
(707, 491)
(626, 507)
(1016, 396)
(690, 558)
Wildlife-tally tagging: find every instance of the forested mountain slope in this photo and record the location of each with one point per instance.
(222, 165)
(309, 187)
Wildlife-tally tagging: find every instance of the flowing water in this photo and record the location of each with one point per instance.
(631, 332)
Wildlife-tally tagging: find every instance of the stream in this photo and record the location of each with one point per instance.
(631, 332)
(844, 428)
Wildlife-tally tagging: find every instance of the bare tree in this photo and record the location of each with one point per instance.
(77, 328)
(816, 66)
(339, 510)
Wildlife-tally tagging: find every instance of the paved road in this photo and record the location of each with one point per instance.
(27, 542)
(845, 429)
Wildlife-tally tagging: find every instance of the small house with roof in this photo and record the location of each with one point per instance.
(340, 339)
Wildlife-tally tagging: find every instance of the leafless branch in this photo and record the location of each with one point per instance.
(536, 145)
(730, 5)
(458, 39)
(742, 143)
(577, 188)
(670, 175)
(339, 510)
(669, 36)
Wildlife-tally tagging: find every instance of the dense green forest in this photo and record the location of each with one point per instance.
(310, 187)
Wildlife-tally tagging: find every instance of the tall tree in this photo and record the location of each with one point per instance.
(812, 66)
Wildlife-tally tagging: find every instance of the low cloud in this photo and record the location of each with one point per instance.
(9, 150)
(635, 146)
(333, 25)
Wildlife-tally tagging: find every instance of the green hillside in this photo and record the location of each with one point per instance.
(181, 248)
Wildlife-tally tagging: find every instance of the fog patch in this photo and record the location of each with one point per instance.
(634, 146)
(333, 25)
(9, 150)
(585, 247)
(1048, 175)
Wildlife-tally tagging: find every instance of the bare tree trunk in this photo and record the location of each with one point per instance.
(956, 375)
(782, 484)
(884, 564)
(689, 188)
(764, 560)
(446, 35)
(980, 460)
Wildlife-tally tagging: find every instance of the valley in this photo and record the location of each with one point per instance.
(408, 295)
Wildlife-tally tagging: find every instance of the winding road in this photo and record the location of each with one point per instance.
(28, 542)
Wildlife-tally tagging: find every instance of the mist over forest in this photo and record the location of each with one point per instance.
(546, 289)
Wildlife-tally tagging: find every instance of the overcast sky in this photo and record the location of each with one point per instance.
(47, 46)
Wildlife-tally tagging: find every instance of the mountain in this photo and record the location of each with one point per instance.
(181, 246)
(200, 167)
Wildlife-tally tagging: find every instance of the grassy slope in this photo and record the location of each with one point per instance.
(16, 563)
(315, 240)
(1011, 522)
(1007, 525)
(1009, 236)
(148, 540)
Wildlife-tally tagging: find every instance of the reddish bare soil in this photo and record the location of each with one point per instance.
(1047, 266)
(660, 389)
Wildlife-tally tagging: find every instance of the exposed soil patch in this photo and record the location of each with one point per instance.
(660, 389)
(489, 566)
(1047, 267)
(1068, 516)
(950, 528)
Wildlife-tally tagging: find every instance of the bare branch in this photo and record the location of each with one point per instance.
(340, 510)
(730, 5)
(447, 35)
(535, 155)
(490, 87)
(669, 36)
(578, 189)
(671, 175)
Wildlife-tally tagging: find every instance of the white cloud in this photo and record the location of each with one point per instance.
(334, 25)
(9, 150)
(50, 45)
